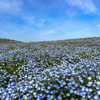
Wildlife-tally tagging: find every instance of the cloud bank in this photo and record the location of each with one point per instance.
(10, 6)
(85, 5)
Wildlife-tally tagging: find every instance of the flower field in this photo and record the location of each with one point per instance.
(50, 70)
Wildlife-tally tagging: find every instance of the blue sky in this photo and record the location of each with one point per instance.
(43, 20)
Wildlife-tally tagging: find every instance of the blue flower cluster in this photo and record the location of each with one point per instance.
(56, 70)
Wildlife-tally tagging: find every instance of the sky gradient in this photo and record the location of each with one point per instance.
(44, 20)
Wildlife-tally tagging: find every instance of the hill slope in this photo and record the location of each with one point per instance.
(4, 40)
(50, 70)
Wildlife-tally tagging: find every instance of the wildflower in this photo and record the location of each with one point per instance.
(89, 96)
(25, 97)
(52, 91)
(71, 91)
(98, 92)
(59, 97)
(87, 89)
(38, 98)
(34, 93)
(69, 84)
(48, 87)
(76, 84)
(84, 96)
(75, 92)
(89, 78)
(62, 83)
(68, 94)
(73, 82)
(90, 90)
(96, 97)
(98, 82)
(55, 98)
(89, 84)
(83, 88)
(51, 96)
(47, 91)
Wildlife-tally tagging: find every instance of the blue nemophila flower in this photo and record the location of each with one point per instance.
(38, 97)
(81, 80)
(98, 92)
(83, 88)
(47, 91)
(72, 78)
(38, 88)
(98, 87)
(42, 88)
(76, 84)
(62, 83)
(75, 92)
(90, 90)
(84, 92)
(87, 89)
(67, 79)
(15, 97)
(96, 97)
(98, 83)
(89, 96)
(51, 97)
(73, 82)
(42, 95)
(80, 93)
(55, 99)
(71, 91)
(25, 97)
(90, 84)
(52, 91)
(83, 96)
(98, 77)
(30, 82)
(3, 97)
(68, 94)
(31, 91)
(36, 85)
(89, 78)
(34, 94)
(61, 93)
(72, 99)
(69, 84)
(59, 97)
(48, 87)
(7, 98)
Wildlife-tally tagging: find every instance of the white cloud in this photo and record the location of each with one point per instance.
(10, 6)
(33, 20)
(48, 32)
(86, 5)
(28, 19)
(98, 25)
